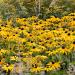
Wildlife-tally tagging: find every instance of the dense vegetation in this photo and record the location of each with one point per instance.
(37, 37)
(34, 45)
(41, 8)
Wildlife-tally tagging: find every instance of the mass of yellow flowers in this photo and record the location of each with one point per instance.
(41, 45)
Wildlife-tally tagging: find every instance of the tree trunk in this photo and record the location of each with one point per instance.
(37, 7)
(53, 3)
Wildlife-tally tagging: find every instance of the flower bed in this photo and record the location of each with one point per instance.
(32, 45)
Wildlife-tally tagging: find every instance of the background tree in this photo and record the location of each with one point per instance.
(40, 8)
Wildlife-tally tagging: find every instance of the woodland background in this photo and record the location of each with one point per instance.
(41, 8)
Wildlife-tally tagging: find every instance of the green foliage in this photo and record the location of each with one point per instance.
(27, 8)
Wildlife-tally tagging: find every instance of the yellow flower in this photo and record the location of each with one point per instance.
(14, 58)
(3, 51)
(7, 68)
(72, 23)
(38, 69)
(48, 69)
(64, 51)
(26, 54)
(36, 50)
(56, 65)
(51, 66)
(41, 57)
